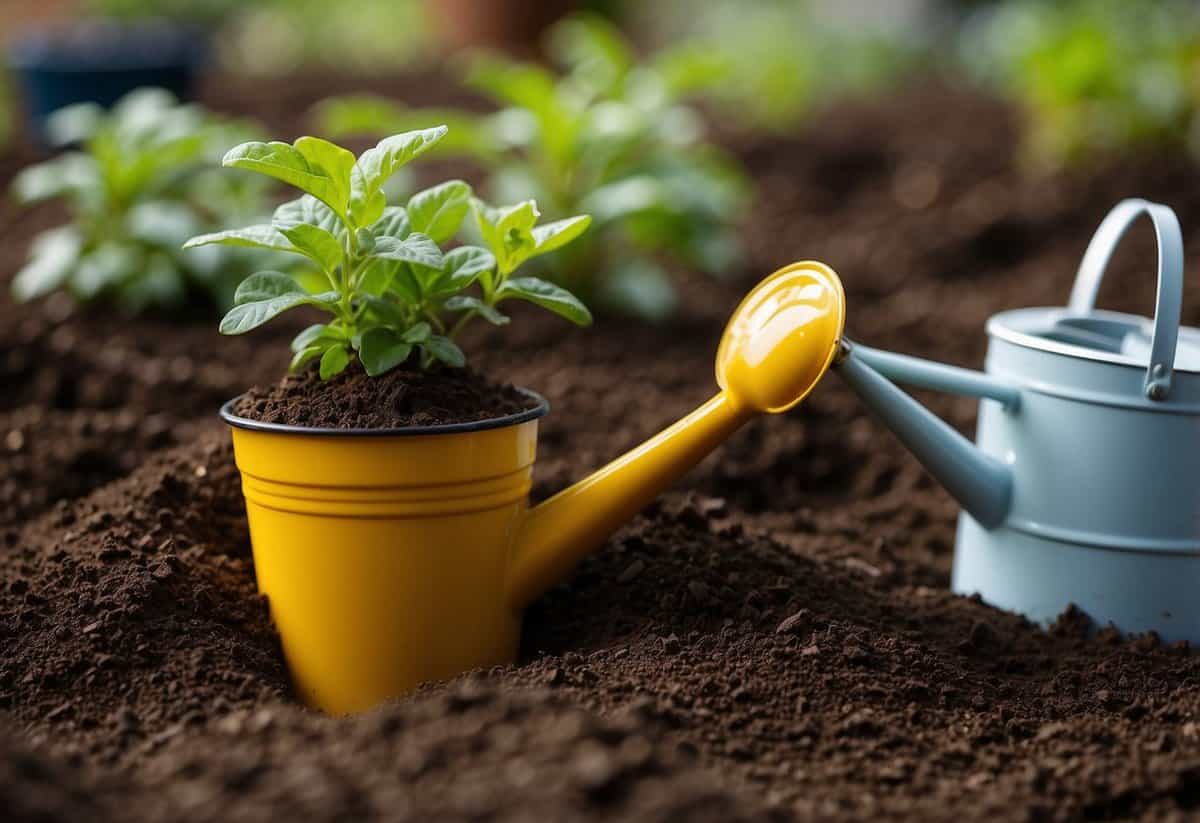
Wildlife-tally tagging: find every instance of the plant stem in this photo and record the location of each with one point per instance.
(434, 320)
(462, 321)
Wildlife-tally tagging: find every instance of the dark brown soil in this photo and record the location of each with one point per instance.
(774, 639)
(132, 614)
(399, 399)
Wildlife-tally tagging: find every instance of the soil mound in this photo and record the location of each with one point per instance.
(132, 614)
(842, 694)
(472, 752)
(39, 789)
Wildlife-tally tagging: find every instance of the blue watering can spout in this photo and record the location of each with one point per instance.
(982, 484)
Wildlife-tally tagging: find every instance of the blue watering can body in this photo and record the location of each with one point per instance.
(1083, 485)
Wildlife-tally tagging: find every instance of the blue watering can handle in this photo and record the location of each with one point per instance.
(1169, 301)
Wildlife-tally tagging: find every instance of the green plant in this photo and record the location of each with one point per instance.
(279, 36)
(380, 269)
(140, 185)
(1093, 76)
(608, 136)
(783, 58)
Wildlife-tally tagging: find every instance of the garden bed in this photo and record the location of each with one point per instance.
(774, 638)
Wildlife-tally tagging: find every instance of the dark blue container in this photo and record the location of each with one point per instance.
(101, 63)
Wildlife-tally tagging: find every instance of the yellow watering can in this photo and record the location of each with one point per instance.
(395, 557)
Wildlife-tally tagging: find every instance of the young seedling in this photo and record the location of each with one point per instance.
(380, 270)
(610, 136)
(140, 185)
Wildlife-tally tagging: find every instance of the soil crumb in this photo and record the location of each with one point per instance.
(397, 399)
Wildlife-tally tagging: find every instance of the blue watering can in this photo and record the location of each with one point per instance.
(1083, 485)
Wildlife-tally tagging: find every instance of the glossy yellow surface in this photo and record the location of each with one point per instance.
(386, 560)
(389, 561)
(782, 338)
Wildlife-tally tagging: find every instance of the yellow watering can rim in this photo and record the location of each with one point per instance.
(540, 410)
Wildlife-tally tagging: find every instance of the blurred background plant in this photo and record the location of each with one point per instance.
(1093, 76)
(146, 178)
(616, 125)
(608, 135)
(276, 36)
(783, 58)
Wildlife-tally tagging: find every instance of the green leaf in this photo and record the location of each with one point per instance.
(51, 261)
(386, 311)
(264, 295)
(445, 350)
(259, 237)
(317, 244)
(247, 316)
(364, 239)
(106, 266)
(439, 211)
(690, 68)
(290, 165)
(157, 281)
(639, 288)
(376, 165)
(381, 350)
(416, 248)
(305, 356)
(474, 304)
(164, 223)
(417, 333)
(264, 285)
(311, 279)
(74, 124)
(594, 49)
(309, 336)
(555, 235)
(515, 84)
(72, 173)
(626, 196)
(428, 280)
(377, 277)
(548, 296)
(462, 266)
(334, 361)
(307, 210)
(406, 284)
(330, 159)
(508, 232)
(392, 223)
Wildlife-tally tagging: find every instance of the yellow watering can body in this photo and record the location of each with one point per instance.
(386, 559)
(395, 557)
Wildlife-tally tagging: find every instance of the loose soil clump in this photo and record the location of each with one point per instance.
(398, 399)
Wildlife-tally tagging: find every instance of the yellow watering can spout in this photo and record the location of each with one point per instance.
(777, 345)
